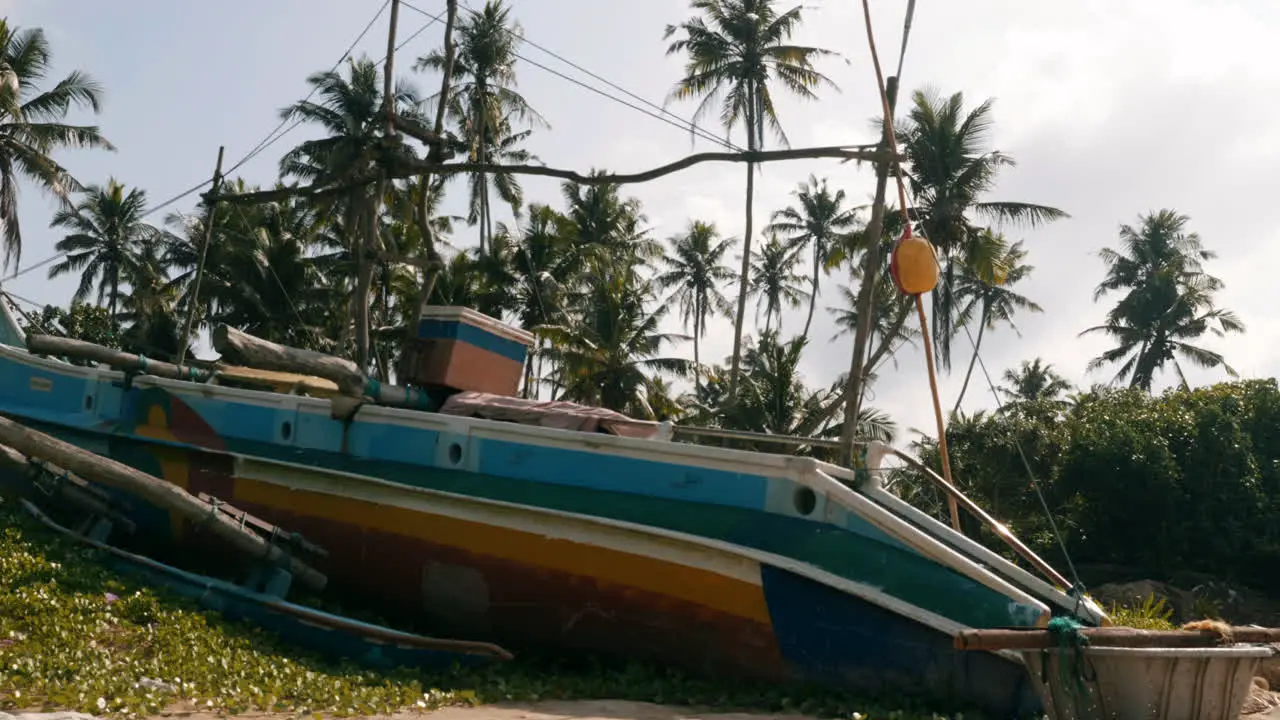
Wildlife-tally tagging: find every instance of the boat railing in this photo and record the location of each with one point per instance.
(789, 440)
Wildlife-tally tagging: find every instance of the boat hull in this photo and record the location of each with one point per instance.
(464, 567)
(718, 561)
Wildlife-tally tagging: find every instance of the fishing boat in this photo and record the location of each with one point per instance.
(557, 526)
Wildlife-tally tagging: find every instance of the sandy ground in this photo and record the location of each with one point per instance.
(549, 710)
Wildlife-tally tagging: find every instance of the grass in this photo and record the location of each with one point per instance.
(74, 636)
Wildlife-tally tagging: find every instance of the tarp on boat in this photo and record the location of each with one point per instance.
(557, 414)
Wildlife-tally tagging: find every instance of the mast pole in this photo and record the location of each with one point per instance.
(184, 343)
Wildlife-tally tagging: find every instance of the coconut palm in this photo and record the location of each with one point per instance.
(775, 399)
(735, 50)
(951, 171)
(502, 145)
(775, 282)
(350, 111)
(819, 221)
(483, 102)
(695, 271)
(105, 232)
(604, 225)
(1035, 381)
(989, 300)
(609, 343)
(32, 127)
(1169, 304)
(541, 259)
(889, 329)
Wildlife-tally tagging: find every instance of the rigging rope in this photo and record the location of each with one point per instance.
(1078, 589)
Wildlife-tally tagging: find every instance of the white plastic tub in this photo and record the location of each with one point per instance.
(1146, 683)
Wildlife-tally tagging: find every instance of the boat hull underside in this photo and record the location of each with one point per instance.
(479, 581)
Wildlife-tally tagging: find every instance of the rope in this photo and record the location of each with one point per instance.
(1078, 589)
(1071, 643)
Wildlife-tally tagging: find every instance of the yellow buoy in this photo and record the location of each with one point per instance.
(913, 265)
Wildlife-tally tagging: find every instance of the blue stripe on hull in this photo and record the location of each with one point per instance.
(834, 638)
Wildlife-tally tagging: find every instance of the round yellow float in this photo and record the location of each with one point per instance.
(913, 265)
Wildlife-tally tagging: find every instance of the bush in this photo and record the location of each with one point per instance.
(1187, 480)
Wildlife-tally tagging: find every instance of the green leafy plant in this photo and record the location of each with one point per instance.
(1153, 613)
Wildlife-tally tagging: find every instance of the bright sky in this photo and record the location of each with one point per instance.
(1111, 107)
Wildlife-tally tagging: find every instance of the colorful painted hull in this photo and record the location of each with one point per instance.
(718, 560)
(324, 633)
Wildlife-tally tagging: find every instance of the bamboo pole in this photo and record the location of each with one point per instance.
(69, 347)
(34, 443)
(955, 495)
(70, 489)
(1118, 637)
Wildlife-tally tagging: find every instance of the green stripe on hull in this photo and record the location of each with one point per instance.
(900, 573)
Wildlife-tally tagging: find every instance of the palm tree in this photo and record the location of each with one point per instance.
(1035, 381)
(350, 110)
(502, 145)
(775, 282)
(775, 399)
(1160, 335)
(695, 269)
(889, 329)
(105, 232)
(604, 225)
(541, 259)
(1169, 304)
(820, 221)
(951, 170)
(992, 300)
(32, 127)
(483, 101)
(735, 49)
(154, 326)
(607, 346)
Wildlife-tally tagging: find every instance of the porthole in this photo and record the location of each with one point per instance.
(88, 402)
(455, 453)
(804, 501)
(286, 429)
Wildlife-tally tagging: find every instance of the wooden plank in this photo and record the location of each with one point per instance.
(34, 443)
(242, 517)
(283, 382)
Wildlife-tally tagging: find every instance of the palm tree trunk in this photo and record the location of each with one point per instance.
(431, 268)
(813, 298)
(977, 343)
(364, 279)
(697, 358)
(746, 248)
(866, 292)
(115, 293)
